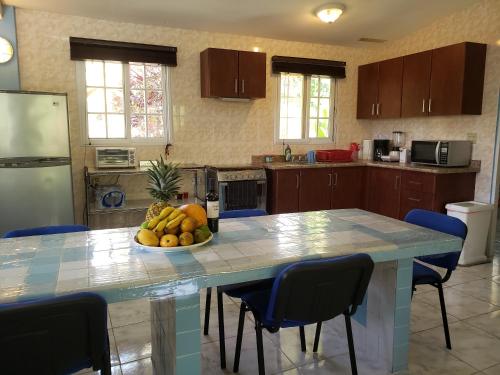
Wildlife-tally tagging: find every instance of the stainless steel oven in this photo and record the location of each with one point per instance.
(239, 187)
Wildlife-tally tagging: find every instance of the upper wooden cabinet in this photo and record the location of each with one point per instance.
(232, 74)
(379, 89)
(443, 81)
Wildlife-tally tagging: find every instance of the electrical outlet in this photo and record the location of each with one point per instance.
(472, 137)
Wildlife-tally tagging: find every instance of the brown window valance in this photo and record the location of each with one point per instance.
(284, 64)
(95, 49)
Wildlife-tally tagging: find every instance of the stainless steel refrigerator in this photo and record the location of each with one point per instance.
(35, 164)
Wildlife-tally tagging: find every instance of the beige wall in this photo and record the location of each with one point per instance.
(204, 130)
(479, 23)
(213, 131)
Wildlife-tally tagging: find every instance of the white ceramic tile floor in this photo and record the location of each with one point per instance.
(473, 302)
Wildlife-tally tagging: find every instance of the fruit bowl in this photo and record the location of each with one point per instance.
(173, 248)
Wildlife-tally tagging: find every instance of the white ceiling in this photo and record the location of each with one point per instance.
(279, 19)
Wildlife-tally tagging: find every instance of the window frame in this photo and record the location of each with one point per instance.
(128, 140)
(306, 97)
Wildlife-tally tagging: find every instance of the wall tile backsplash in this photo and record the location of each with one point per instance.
(215, 131)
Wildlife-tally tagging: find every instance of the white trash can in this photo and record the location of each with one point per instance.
(476, 216)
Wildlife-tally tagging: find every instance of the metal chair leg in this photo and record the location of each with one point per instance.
(222, 340)
(239, 338)
(316, 337)
(208, 302)
(350, 341)
(260, 348)
(443, 314)
(302, 339)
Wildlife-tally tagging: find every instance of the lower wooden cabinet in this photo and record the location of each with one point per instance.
(315, 187)
(283, 191)
(347, 187)
(383, 191)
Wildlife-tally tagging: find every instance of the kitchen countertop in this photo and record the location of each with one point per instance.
(380, 164)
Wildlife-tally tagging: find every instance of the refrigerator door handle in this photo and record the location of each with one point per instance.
(34, 162)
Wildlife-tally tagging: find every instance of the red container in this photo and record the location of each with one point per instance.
(338, 156)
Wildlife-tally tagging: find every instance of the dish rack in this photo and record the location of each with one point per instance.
(338, 156)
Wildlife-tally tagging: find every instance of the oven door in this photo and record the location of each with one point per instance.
(242, 195)
(425, 152)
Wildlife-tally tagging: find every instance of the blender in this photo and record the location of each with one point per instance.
(398, 142)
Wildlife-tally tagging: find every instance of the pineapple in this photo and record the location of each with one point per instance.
(164, 179)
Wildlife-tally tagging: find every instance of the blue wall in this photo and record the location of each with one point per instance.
(9, 72)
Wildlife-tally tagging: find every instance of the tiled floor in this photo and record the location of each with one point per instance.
(473, 303)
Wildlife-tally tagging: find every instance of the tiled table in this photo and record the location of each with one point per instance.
(108, 262)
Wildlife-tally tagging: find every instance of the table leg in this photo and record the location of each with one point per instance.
(175, 335)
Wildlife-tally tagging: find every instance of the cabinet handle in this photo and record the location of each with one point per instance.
(378, 109)
(423, 105)
(242, 86)
(415, 182)
(297, 185)
(236, 85)
(396, 183)
(329, 179)
(336, 179)
(414, 199)
(430, 105)
(373, 109)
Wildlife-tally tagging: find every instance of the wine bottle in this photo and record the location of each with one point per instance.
(213, 210)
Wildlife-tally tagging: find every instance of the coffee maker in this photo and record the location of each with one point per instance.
(381, 147)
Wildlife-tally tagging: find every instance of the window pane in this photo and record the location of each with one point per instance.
(153, 76)
(137, 101)
(325, 87)
(136, 76)
(313, 128)
(138, 126)
(114, 100)
(324, 108)
(116, 126)
(294, 107)
(95, 100)
(96, 125)
(322, 128)
(155, 101)
(155, 126)
(294, 128)
(295, 86)
(314, 86)
(114, 74)
(313, 108)
(94, 73)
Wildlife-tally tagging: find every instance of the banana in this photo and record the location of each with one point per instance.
(176, 212)
(153, 222)
(161, 225)
(176, 222)
(166, 212)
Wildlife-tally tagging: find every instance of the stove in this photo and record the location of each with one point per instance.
(224, 173)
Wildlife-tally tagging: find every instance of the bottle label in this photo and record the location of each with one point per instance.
(213, 209)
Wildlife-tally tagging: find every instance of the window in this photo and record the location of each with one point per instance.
(125, 103)
(306, 108)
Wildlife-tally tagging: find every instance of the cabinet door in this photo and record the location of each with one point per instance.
(390, 82)
(347, 187)
(367, 90)
(286, 191)
(219, 73)
(252, 74)
(416, 82)
(384, 191)
(315, 189)
(447, 76)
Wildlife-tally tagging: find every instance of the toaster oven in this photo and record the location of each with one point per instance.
(115, 157)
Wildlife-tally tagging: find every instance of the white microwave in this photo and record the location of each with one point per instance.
(115, 157)
(442, 153)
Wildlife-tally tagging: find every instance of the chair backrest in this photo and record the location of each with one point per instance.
(441, 223)
(241, 213)
(318, 290)
(54, 336)
(40, 231)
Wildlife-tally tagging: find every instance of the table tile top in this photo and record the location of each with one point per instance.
(109, 261)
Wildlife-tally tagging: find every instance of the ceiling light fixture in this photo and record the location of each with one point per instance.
(6, 51)
(329, 13)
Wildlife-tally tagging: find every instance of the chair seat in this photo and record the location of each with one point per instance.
(258, 302)
(424, 275)
(237, 290)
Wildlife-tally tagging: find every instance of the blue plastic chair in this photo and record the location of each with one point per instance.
(424, 275)
(304, 293)
(232, 290)
(41, 231)
(56, 336)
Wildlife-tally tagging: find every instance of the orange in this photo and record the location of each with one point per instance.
(189, 224)
(169, 240)
(186, 239)
(196, 212)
